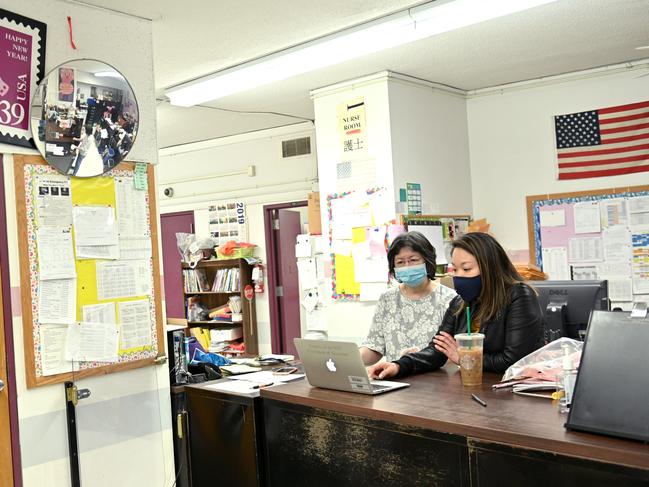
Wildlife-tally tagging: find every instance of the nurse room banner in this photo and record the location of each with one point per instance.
(22, 51)
(352, 129)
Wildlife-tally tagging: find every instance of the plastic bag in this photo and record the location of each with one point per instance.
(196, 311)
(212, 358)
(546, 362)
(192, 249)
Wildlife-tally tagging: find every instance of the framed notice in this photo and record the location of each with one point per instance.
(22, 54)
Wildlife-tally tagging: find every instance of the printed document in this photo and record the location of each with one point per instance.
(53, 201)
(587, 217)
(131, 208)
(57, 301)
(122, 279)
(92, 342)
(53, 350)
(94, 225)
(99, 313)
(135, 324)
(55, 253)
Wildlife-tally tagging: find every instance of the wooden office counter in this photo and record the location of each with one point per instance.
(433, 433)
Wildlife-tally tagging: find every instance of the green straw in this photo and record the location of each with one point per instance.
(468, 320)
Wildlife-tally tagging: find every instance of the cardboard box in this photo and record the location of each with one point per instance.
(315, 225)
(218, 335)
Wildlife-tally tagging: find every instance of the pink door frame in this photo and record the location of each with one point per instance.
(9, 336)
(271, 265)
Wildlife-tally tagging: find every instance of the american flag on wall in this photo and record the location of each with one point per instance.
(604, 142)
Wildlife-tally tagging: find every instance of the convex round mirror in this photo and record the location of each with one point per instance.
(84, 118)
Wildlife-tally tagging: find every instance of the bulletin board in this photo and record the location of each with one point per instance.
(138, 325)
(440, 230)
(599, 234)
(359, 224)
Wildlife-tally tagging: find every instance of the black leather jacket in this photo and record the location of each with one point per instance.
(515, 332)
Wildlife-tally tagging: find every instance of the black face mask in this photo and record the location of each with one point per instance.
(468, 287)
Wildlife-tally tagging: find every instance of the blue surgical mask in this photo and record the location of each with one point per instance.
(412, 275)
(468, 287)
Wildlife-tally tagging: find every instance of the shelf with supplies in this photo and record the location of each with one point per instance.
(217, 288)
(212, 323)
(211, 292)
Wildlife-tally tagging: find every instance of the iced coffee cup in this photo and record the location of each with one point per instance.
(470, 352)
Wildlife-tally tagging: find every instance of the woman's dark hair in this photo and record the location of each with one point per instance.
(420, 244)
(497, 272)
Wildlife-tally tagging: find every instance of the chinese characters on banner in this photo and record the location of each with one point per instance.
(22, 54)
(352, 129)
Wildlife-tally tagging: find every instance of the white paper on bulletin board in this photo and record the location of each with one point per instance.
(555, 263)
(435, 236)
(94, 225)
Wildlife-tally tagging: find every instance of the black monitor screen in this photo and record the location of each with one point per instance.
(567, 305)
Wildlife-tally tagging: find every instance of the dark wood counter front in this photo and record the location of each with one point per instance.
(523, 435)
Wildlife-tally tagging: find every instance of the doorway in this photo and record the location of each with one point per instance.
(6, 469)
(282, 225)
(10, 470)
(170, 224)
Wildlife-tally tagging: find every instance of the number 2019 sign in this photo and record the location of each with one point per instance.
(22, 63)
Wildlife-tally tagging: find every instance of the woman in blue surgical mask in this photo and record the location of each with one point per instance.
(408, 314)
(502, 307)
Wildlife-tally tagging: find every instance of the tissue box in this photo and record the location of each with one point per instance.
(225, 334)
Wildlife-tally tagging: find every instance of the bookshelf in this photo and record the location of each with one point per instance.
(211, 283)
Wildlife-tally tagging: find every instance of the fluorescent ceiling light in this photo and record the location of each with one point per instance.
(391, 31)
(108, 74)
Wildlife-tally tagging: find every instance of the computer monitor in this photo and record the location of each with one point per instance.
(567, 305)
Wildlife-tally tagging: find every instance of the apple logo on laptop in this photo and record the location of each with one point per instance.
(330, 365)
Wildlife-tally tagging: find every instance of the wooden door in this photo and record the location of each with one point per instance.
(6, 468)
(170, 224)
(289, 301)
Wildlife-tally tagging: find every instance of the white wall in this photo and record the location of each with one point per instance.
(277, 180)
(430, 145)
(512, 146)
(125, 426)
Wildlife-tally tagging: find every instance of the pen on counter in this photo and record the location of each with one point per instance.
(478, 400)
(260, 386)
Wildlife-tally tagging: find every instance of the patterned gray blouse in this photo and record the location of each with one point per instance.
(400, 322)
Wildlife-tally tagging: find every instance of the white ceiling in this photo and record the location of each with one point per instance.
(193, 38)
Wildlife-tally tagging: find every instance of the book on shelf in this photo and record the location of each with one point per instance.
(227, 281)
(203, 284)
(195, 280)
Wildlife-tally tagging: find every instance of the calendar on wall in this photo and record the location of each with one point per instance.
(228, 222)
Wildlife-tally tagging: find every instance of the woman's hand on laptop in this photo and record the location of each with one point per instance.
(383, 370)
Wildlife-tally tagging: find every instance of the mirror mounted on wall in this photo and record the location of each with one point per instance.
(84, 118)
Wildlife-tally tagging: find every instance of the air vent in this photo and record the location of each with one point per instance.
(296, 147)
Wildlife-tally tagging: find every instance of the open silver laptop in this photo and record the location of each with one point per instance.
(338, 365)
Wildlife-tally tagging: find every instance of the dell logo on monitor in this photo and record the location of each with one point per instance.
(558, 292)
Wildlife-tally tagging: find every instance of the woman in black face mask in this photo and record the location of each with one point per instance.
(502, 307)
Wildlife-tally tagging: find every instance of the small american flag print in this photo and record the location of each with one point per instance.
(605, 142)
